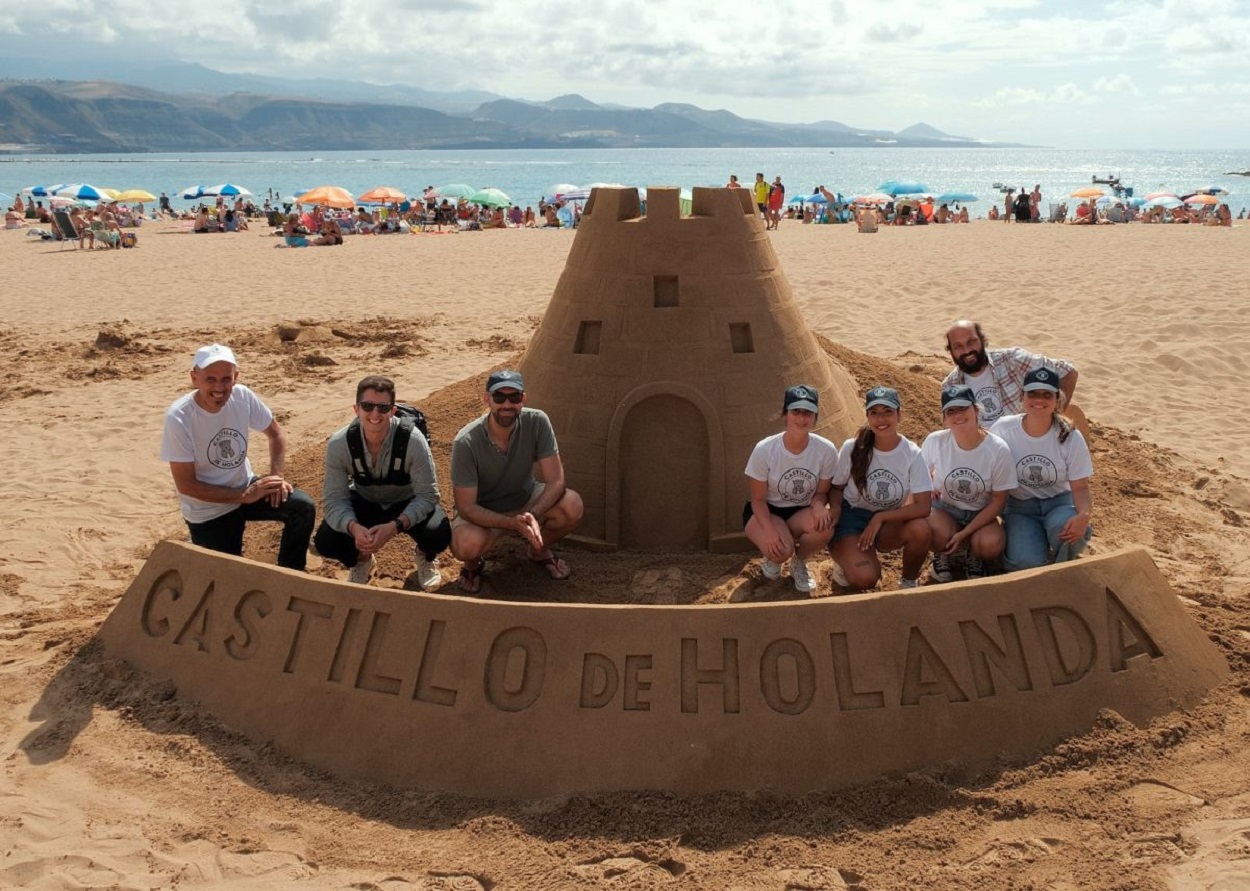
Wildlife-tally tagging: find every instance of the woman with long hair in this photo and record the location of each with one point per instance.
(885, 497)
(789, 475)
(972, 472)
(1047, 513)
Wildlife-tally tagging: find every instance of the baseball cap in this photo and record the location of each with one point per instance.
(214, 352)
(1041, 379)
(801, 397)
(882, 396)
(957, 397)
(506, 379)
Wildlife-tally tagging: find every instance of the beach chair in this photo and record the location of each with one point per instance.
(65, 228)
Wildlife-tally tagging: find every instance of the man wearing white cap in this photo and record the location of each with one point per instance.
(205, 443)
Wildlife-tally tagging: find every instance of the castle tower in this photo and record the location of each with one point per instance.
(662, 359)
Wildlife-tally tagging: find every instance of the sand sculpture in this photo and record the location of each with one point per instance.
(521, 699)
(662, 358)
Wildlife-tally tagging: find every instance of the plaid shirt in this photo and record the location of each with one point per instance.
(1009, 366)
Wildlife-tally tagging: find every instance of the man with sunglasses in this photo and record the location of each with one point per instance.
(492, 477)
(205, 442)
(380, 482)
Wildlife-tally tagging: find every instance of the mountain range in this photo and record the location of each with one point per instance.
(198, 109)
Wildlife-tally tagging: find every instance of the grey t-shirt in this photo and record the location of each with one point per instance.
(503, 482)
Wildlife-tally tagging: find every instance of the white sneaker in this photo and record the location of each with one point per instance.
(427, 572)
(838, 576)
(770, 569)
(801, 576)
(361, 571)
(908, 583)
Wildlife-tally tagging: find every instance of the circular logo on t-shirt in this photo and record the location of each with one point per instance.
(228, 449)
(1036, 472)
(991, 404)
(797, 485)
(964, 484)
(884, 490)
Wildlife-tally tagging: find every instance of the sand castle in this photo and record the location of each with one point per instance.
(662, 358)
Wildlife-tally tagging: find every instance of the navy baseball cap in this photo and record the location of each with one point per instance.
(1041, 379)
(887, 396)
(801, 397)
(505, 380)
(958, 397)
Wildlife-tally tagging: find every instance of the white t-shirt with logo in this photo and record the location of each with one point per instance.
(989, 396)
(892, 476)
(217, 443)
(967, 478)
(792, 479)
(1044, 465)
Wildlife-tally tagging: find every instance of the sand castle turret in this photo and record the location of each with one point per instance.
(662, 358)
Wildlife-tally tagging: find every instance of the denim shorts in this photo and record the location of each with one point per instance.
(852, 520)
(963, 516)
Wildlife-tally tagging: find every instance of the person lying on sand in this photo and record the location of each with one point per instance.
(492, 478)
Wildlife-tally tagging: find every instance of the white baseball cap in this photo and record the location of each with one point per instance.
(214, 352)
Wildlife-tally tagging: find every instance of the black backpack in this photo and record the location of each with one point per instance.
(409, 417)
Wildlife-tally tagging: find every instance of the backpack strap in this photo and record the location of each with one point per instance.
(356, 448)
(395, 474)
(399, 451)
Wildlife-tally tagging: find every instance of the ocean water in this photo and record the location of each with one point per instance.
(526, 175)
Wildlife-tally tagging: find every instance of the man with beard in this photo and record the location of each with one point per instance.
(492, 479)
(997, 376)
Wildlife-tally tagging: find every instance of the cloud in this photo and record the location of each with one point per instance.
(1121, 84)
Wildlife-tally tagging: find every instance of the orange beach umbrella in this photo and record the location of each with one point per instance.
(382, 195)
(331, 196)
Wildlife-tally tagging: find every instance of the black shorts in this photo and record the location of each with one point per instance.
(784, 512)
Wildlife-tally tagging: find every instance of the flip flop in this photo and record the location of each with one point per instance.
(556, 568)
(471, 579)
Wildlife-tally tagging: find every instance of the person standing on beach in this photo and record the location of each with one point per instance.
(760, 188)
(379, 484)
(733, 182)
(997, 376)
(205, 442)
(492, 478)
(776, 198)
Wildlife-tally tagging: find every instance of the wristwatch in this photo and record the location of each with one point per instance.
(399, 525)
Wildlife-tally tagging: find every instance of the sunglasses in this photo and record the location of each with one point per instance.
(500, 398)
(383, 407)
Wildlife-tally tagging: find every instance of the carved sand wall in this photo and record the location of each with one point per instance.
(662, 359)
(523, 699)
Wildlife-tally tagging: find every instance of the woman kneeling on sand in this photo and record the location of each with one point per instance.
(789, 475)
(1047, 514)
(972, 472)
(885, 498)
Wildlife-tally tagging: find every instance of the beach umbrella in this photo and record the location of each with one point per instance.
(226, 190)
(1202, 199)
(135, 195)
(893, 187)
(1153, 195)
(1210, 190)
(1162, 201)
(454, 190)
(44, 191)
(583, 194)
(490, 198)
(560, 188)
(83, 192)
(190, 193)
(331, 196)
(382, 195)
(1087, 192)
(874, 198)
(955, 198)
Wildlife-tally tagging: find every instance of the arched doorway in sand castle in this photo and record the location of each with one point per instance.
(662, 358)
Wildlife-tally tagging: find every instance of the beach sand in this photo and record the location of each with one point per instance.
(110, 782)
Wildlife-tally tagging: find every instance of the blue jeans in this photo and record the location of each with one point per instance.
(296, 514)
(1033, 526)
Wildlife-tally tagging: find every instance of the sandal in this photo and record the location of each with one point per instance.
(471, 578)
(556, 568)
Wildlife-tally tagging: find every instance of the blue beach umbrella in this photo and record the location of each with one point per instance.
(896, 187)
(44, 191)
(228, 190)
(955, 198)
(190, 193)
(82, 192)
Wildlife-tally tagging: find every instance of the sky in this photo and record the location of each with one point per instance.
(1150, 74)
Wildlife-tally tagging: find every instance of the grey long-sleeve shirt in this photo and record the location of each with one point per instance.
(421, 493)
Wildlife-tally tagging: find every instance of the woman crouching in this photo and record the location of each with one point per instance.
(885, 498)
(972, 473)
(1047, 514)
(789, 475)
